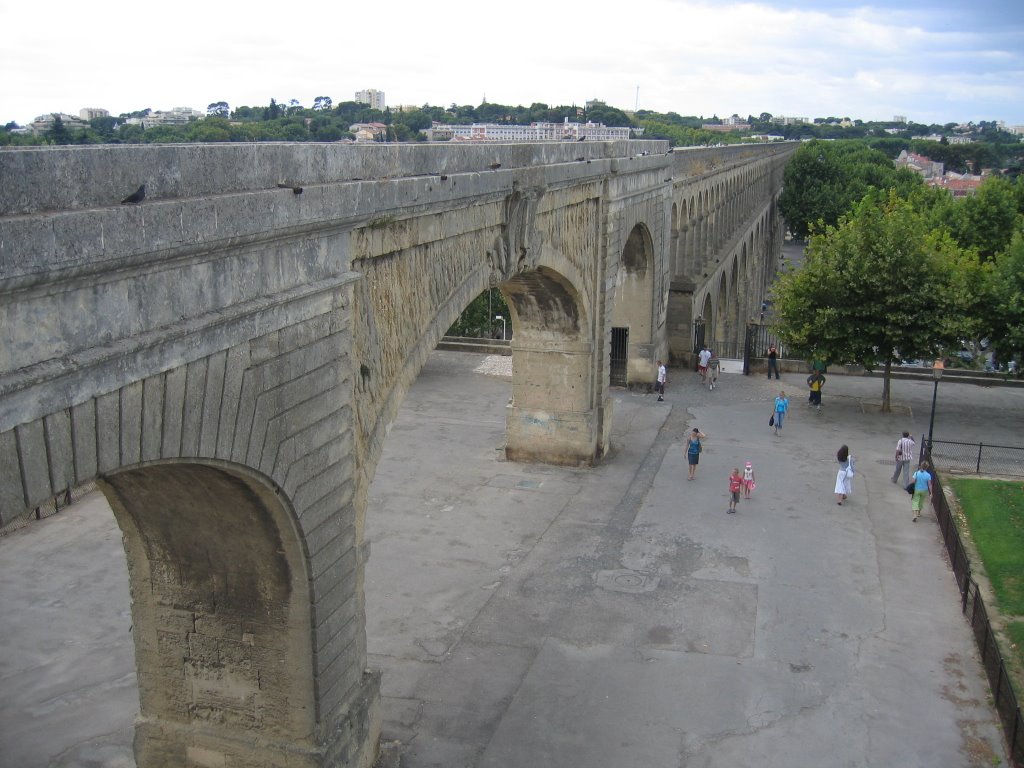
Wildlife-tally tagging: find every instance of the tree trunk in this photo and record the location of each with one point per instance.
(886, 407)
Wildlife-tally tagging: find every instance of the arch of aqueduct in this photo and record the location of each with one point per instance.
(225, 359)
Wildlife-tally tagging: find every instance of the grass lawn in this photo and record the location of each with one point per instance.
(994, 510)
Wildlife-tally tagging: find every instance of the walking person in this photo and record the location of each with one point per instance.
(922, 486)
(815, 381)
(659, 385)
(714, 368)
(844, 477)
(693, 449)
(735, 484)
(702, 363)
(905, 448)
(773, 362)
(781, 407)
(748, 480)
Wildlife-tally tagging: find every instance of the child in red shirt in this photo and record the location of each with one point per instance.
(735, 486)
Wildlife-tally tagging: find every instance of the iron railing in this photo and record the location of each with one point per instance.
(49, 507)
(977, 458)
(973, 606)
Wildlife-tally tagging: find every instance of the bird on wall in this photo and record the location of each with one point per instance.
(294, 188)
(135, 197)
(494, 166)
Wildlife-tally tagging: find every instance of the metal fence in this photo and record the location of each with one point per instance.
(973, 606)
(977, 458)
(49, 507)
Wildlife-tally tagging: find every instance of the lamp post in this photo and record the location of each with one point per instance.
(937, 368)
(499, 317)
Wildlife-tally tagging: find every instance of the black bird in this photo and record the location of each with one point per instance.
(582, 138)
(580, 159)
(443, 177)
(295, 189)
(494, 166)
(135, 197)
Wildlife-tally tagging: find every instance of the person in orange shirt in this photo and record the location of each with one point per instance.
(735, 486)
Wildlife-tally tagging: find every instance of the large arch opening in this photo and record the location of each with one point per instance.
(632, 358)
(220, 611)
(552, 416)
(173, 620)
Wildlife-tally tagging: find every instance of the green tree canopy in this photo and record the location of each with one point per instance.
(825, 179)
(874, 289)
(1008, 291)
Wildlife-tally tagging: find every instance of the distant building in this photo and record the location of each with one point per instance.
(783, 120)
(726, 127)
(493, 132)
(44, 123)
(91, 113)
(958, 185)
(176, 116)
(925, 166)
(373, 97)
(899, 119)
(365, 132)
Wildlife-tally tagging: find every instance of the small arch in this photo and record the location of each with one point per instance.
(633, 308)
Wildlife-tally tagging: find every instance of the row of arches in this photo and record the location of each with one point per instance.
(726, 236)
(239, 470)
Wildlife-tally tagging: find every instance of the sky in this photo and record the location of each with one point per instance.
(933, 62)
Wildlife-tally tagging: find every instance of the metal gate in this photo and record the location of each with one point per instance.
(620, 347)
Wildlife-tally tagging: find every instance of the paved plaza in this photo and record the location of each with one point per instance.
(528, 616)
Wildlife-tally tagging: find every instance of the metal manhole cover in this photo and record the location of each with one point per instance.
(624, 580)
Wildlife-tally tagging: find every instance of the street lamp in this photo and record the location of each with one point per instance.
(499, 317)
(937, 368)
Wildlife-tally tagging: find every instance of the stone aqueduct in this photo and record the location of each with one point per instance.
(225, 359)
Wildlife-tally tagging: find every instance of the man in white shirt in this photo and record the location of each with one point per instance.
(905, 448)
(662, 378)
(702, 362)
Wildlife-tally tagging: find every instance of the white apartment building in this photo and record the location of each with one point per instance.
(44, 123)
(495, 132)
(371, 96)
(176, 116)
(91, 113)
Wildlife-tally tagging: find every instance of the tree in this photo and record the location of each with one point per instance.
(218, 109)
(988, 219)
(477, 320)
(1008, 290)
(874, 289)
(825, 179)
(322, 103)
(272, 112)
(58, 132)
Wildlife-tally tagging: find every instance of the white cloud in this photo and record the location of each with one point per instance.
(688, 57)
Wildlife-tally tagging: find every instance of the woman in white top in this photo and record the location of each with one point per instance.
(844, 477)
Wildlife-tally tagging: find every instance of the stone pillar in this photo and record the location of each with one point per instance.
(551, 418)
